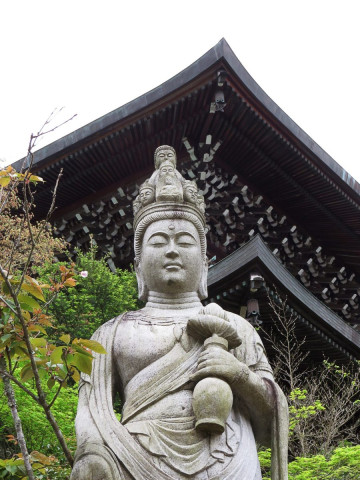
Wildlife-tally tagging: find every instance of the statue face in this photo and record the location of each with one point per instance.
(164, 155)
(147, 196)
(166, 169)
(190, 194)
(171, 260)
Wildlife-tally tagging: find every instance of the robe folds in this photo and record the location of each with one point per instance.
(143, 446)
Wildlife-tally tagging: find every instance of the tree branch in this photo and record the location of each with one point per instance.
(58, 391)
(4, 373)
(41, 394)
(9, 392)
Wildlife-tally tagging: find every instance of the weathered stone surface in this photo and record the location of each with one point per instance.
(191, 408)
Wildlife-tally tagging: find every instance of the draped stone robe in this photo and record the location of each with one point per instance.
(156, 438)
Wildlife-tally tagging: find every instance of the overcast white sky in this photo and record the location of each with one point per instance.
(93, 56)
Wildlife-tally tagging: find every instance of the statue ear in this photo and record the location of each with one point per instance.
(203, 292)
(142, 288)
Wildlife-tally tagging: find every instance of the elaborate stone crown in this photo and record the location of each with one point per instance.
(166, 194)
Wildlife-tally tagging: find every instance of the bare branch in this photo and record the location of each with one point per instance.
(316, 430)
(40, 231)
(52, 206)
(42, 130)
(56, 127)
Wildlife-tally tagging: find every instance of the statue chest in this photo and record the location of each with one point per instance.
(138, 344)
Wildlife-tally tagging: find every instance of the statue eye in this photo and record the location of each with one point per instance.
(157, 240)
(185, 241)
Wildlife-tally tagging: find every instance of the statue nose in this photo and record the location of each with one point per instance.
(172, 252)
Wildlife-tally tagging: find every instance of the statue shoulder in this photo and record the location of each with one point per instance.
(251, 351)
(243, 326)
(108, 328)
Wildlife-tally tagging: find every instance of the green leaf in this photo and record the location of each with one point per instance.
(4, 181)
(50, 383)
(11, 468)
(93, 344)
(28, 303)
(82, 350)
(20, 350)
(62, 369)
(75, 375)
(41, 458)
(5, 289)
(56, 355)
(26, 373)
(6, 337)
(37, 328)
(5, 315)
(38, 342)
(83, 363)
(35, 178)
(42, 372)
(34, 289)
(65, 338)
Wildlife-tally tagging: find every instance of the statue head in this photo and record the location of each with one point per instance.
(164, 153)
(169, 240)
(190, 191)
(166, 168)
(171, 260)
(146, 193)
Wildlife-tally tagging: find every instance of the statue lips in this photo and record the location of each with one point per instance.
(172, 266)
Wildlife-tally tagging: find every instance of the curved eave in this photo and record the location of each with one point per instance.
(255, 251)
(221, 53)
(129, 110)
(280, 117)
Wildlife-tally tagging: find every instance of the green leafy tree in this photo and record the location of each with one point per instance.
(26, 352)
(98, 296)
(39, 437)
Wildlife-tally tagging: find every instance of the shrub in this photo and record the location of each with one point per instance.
(342, 464)
(38, 433)
(98, 296)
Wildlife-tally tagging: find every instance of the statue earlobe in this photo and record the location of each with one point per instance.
(142, 288)
(203, 292)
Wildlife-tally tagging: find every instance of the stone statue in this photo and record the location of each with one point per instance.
(146, 196)
(197, 390)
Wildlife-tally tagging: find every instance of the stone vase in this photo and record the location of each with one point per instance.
(212, 397)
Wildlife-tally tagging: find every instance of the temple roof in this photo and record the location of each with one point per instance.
(258, 170)
(230, 285)
(220, 55)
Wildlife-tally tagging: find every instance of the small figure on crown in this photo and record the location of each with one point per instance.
(167, 184)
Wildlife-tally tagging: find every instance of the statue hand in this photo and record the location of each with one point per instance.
(92, 467)
(220, 363)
